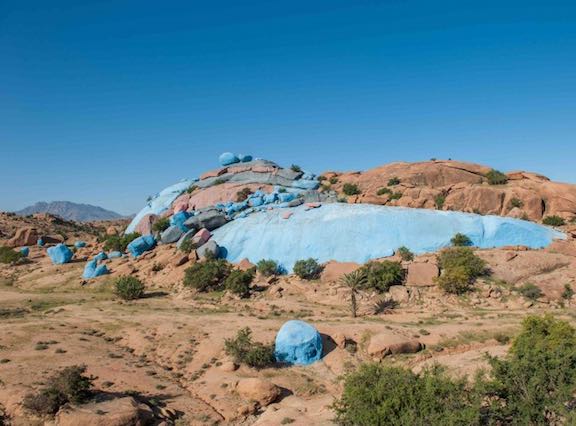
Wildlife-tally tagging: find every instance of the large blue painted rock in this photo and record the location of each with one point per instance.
(25, 251)
(178, 220)
(299, 343)
(60, 254)
(228, 158)
(93, 270)
(141, 244)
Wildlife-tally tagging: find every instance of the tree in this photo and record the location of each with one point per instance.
(355, 281)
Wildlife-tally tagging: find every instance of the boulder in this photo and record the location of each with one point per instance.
(178, 220)
(53, 239)
(144, 227)
(180, 260)
(422, 274)
(244, 158)
(210, 249)
(334, 271)
(115, 254)
(228, 158)
(141, 244)
(27, 236)
(93, 270)
(25, 251)
(399, 293)
(384, 344)
(100, 257)
(60, 254)
(171, 234)
(124, 411)
(258, 390)
(80, 244)
(245, 265)
(297, 342)
(111, 230)
(209, 219)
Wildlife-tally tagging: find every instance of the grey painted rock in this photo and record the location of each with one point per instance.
(171, 235)
(210, 219)
(210, 248)
(185, 237)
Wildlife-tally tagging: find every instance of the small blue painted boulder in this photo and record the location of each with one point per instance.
(298, 343)
(228, 158)
(93, 270)
(60, 254)
(25, 251)
(101, 256)
(40, 242)
(79, 244)
(141, 244)
(114, 255)
(244, 158)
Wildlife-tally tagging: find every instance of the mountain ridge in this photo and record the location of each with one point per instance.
(69, 210)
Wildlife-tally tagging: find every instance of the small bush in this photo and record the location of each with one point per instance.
(218, 181)
(554, 221)
(568, 292)
(243, 194)
(496, 177)
(351, 189)
(267, 267)
(238, 282)
(245, 351)
(119, 242)
(308, 269)
(192, 188)
(462, 257)
(516, 203)
(384, 191)
(395, 196)
(207, 276)
(70, 385)
(8, 255)
(188, 245)
(530, 292)
(296, 168)
(405, 254)
(129, 288)
(461, 240)
(439, 201)
(455, 280)
(393, 181)
(381, 275)
(333, 180)
(161, 225)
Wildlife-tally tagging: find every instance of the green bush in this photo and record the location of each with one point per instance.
(455, 280)
(129, 288)
(381, 275)
(161, 225)
(439, 201)
(238, 282)
(553, 221)
(395, 196)
(536, 382)
(192, 188)
(516, 203)
(246, 351)
(188, 245)
(384, 395)
(462, 257)
(461, 240)
(267, 267)
(70, 385)
(296, 168)
(351, 189)
(405, 254)
(243, 194)
(119, 242)
(568, 292)
(496, 177)
(384, 191)
(393, 181)
(8, 255)
(207, 276)
(308, 269)
(333, 180)
(530, 291)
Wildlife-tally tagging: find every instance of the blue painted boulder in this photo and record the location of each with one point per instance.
(244, 158)
(79, 244)
(101, 256)
(141, 244)
(115, 255)
(40, 242)
(60, 254)
(178, 220)
(298, 343)
(25, 251)
(228, 158)
(93, 270)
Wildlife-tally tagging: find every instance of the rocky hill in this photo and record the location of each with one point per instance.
(459, 186)
(70, 211)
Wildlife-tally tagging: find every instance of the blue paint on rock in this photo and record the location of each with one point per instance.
(60, 254)
(141, 244)
(297, 342)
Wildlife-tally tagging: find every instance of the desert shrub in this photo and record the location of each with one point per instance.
(516, 203)
(243, 194)
(129, 288)
(535, 383)
(161, 225)
(188, 245)
(8, 255)
(381, 275)
(393, 181)
(267, 267)
(218, 181)
(207, 276)
(70, 385)
(308, 269)
(461, 240)
(405, 254)
(246, 351)
(384, 191)
(351, 189)
(238, 282)
(455, 280)
(496, 177)
(462, 257)
(553, 221)
(568, 292)
(119, 242)
(439, 201)
(333, 180)
(384, 395)
(296, 168)
(395, 196)
(530, 291)
(192, 188)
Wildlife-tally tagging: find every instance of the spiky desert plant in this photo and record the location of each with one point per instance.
(355, 281)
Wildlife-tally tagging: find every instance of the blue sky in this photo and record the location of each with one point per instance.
(107, 102)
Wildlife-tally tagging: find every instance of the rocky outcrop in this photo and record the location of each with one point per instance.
(385, 344)
(24, 237)
(258, 390)
(124, 411)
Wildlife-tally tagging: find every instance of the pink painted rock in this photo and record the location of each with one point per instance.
(180, 204)
(287, 215)
(201, 237)
(422, 274)
(214, 173)
(313, 205)
(144, 227)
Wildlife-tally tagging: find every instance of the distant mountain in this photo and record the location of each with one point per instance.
(70, 211)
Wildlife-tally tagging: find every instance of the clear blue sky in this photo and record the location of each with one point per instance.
(109, 101)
